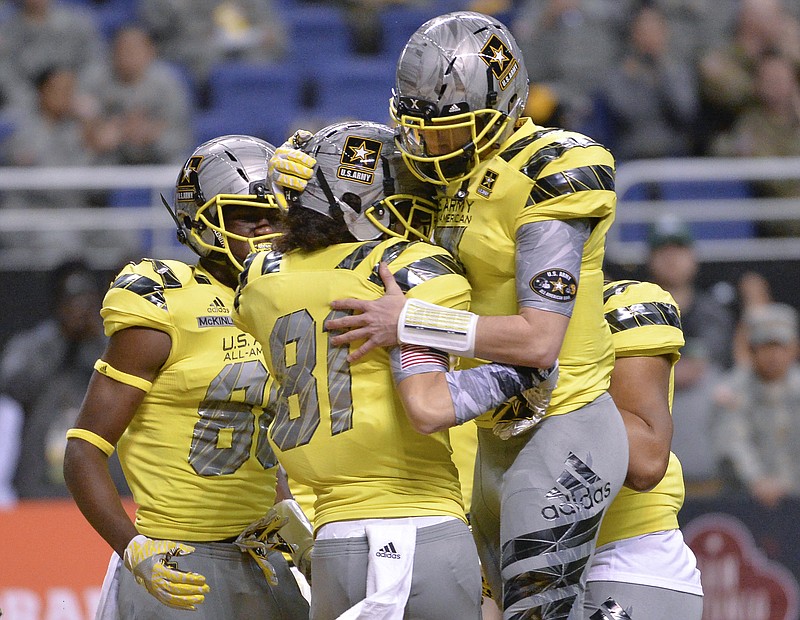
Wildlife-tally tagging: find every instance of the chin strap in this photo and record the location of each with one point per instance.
(181, 232)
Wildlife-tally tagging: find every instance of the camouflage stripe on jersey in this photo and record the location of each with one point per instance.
(420, 271)
(640, 313)
(570, 181)
(652, 313)
(579, 179)
(407, 277)
(148, 288)
(359, 254)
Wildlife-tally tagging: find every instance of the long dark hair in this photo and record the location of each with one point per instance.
(308, 231)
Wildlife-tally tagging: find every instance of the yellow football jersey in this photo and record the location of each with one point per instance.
(464, 442)
(340, 428)
(196, 455)
(644, 321)
(538, 174)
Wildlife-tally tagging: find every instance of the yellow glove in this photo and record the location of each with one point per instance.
(522, 413)
(284, 528)
(258, 539)
(290, 168)
(149, 561)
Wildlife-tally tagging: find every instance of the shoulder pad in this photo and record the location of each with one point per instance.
(425, 261)
(631, 304)
(150, 278)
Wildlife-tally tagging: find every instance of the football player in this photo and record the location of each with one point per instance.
(390, 529)
(642, 564)
(525, 209)
(181, 393)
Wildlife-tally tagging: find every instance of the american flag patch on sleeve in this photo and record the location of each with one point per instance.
(412, 356)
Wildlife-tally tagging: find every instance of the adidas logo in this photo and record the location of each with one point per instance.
(388, 552)
(217, 307)
(577, 489)
(454, 108)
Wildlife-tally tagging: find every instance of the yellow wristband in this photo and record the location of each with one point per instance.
(104, 368)
(92, 438)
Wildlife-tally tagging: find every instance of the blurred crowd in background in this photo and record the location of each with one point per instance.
(99, 82)
(131, 81)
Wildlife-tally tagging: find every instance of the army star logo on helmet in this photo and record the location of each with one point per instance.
(187, 187)
(496, 54)
(359, 159)
(361, 153)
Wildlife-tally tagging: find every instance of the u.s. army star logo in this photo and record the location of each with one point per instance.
(555, 285)
(487, 183)
(188, 189)
(501, 61)
(359, 159)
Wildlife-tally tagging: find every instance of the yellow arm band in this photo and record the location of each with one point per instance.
(92, 438)
(104, 368)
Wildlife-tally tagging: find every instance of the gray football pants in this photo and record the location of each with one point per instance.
(537, 504)
(445, 583)
(239, 589)
(640, 602)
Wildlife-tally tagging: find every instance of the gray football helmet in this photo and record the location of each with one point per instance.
(461, 86)
(360, 174)
(228, 170)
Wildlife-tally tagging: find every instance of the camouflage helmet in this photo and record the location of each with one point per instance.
(359, 176)
(228, 170)
(459, 71)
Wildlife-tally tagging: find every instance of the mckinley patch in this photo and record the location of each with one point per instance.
(555, 285)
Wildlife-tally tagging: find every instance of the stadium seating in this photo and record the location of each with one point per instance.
(692, 190)
(255, 98)
(319, 32)
(357, 89)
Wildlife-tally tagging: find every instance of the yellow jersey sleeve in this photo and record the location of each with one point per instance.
(644, 321)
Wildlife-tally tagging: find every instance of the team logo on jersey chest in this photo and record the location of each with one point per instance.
(555, 285)
(487, 183)
(359, 159)
(217, 306)
(501, 61)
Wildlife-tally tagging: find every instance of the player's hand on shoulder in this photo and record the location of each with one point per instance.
(151, 562)
(290, 168)
(374, 321)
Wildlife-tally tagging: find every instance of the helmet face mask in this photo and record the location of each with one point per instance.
(461, 86)
(360, 178)
(412, 217)
(223, 174)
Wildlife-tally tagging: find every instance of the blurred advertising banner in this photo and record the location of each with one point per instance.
(749, 557)
(52, 562)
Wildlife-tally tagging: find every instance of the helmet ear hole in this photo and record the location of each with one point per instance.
(352, 200)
